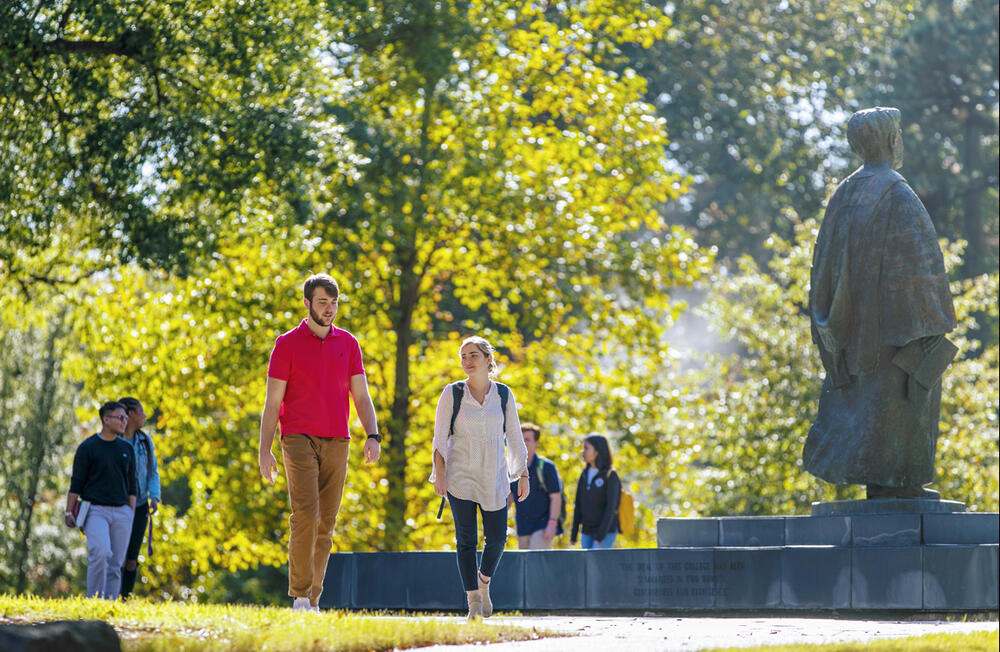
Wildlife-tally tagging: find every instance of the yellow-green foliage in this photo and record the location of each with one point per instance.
(520, 213)
(175, 627)
(971, 642)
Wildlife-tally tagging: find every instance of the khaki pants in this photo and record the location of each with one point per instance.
(534, 541)
(316, 468)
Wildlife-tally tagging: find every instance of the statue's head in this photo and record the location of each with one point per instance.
(875, 135)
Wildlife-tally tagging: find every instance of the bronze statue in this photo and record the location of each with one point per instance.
(880, 305)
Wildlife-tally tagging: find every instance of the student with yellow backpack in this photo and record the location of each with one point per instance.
(598, 498)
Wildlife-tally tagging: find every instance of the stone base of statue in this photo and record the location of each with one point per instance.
(898, 555)
(887, 506)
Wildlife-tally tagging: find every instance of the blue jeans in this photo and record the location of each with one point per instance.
(587, 542)
(467, 536)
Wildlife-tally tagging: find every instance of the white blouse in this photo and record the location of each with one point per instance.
(476, 462)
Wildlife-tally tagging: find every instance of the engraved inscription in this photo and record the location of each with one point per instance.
(680, 580)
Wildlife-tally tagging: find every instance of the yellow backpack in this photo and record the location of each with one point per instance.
(626, 510)
(626, 513)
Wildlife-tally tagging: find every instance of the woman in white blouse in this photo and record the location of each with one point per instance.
(473, 469)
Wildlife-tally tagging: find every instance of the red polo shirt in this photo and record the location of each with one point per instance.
(318, 372)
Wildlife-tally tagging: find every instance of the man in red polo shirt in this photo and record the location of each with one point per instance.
(313, 369)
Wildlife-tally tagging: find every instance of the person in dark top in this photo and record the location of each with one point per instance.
(104, 476)
(537, 517)
(597, 495)
(147, 474)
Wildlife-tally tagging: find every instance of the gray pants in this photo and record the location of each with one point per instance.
(108, 530)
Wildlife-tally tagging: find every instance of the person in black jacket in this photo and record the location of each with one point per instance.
(104, 477)
(597, 495)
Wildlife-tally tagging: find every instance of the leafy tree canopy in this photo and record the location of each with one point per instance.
(757, 97)
(130, 128)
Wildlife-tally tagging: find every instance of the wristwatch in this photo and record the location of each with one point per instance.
(377, 437)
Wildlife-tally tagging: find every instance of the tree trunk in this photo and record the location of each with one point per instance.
(399, 417)
(409, 294)
(39, 442)
(975, 261)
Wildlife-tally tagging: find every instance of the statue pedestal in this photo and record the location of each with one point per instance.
(898, 555)
(887, 506)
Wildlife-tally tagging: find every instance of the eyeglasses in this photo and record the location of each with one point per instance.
(121, 417)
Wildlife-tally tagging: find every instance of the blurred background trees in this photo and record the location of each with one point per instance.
(559, 177)
(942, 74)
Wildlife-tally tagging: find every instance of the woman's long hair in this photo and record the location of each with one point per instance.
(604, 460)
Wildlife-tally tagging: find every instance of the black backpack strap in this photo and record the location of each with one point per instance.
(149, 453)
(540, 472)
(504, 392)
(457, 391)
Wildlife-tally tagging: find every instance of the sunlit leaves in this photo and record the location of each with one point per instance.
(516, 191)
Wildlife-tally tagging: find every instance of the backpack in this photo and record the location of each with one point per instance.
(561, 521)
(458, 390)
(626, 511)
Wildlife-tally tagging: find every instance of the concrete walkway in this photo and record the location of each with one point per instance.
(668, 634)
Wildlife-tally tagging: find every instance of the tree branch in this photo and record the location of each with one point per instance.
(60, 113)
(131, 43)
(104, 48)
(65, 18)
(56, 282)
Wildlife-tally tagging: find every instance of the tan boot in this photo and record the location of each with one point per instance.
(484, 595)
(475, 605)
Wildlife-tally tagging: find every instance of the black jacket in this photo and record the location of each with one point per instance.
(104, 471)
(596, 507)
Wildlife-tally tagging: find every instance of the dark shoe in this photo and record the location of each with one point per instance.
(878, 492)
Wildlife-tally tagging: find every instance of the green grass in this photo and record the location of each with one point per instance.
(971, 642)
(175, 627)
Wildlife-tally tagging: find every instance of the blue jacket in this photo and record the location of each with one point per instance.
(147, 479)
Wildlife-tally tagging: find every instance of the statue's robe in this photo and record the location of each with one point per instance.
(880, 305)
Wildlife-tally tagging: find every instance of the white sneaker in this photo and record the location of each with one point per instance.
(301, 604)
(316, 609)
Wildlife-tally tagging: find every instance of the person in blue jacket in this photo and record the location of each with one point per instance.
(147, 473)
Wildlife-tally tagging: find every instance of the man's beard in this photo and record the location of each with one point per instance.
(316, 318)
